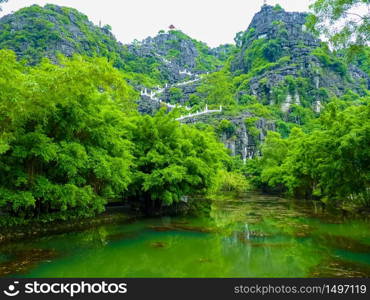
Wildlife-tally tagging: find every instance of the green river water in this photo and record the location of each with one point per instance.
(253, 236)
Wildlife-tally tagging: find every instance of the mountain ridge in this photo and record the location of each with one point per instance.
(277, 63)
(35, 32)
(277, 46)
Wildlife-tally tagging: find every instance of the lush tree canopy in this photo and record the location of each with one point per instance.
(172, 160)
(63, 144)
(71, 140)
(346, 23)
(217, 88)
(331, 162)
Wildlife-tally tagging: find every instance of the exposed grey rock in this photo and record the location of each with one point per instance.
(162, 46)
(147, 106)
(241, 143)
(297, 44)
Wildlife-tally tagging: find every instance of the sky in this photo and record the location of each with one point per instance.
(212, 21)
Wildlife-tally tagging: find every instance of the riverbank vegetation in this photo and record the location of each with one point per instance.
(71, 141)
(330, 162)
(320, 146)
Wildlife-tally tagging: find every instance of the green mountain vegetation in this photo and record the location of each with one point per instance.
(205, 59)
(36, 32)
(294, 110)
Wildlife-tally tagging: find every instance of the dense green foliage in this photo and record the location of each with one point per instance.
(172, 161)
(35, 32)
(62, 136)
(362, 59)
(329, 60)
(175, 94)
(217, 89)
(231, 182)
(71, 141)
(345, 22)
(331, 162)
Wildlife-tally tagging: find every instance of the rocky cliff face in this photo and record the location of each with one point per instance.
(176, 64)
(272, 23)
(181, 56)
(239, 141)
(293, 67)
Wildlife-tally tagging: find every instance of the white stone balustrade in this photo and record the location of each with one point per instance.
(153, 95)
(199, 113)
(185, 72)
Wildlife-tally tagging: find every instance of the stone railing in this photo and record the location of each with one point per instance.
(187, 82)
(199, 113)
(185, 72)
(153, 94)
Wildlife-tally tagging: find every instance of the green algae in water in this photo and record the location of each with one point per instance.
(257, 236)
(3, 258)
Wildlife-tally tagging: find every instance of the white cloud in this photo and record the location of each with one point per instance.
(212, 21)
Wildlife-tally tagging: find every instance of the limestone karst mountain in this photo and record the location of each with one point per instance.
(281, 63)
(180, 55)
(35, 32)
(276, 62)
